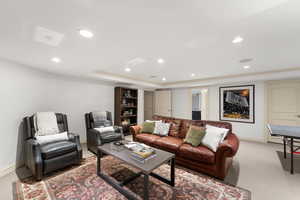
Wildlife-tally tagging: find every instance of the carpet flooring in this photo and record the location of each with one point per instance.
(82, 183)
(256, 167)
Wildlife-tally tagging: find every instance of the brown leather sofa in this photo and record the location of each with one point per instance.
(198, 158)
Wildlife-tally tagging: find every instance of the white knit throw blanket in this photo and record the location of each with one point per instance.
(45, 123)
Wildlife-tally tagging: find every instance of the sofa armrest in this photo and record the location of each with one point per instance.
(34, 158)
(134, 130)
(229, 147)
(76, 139)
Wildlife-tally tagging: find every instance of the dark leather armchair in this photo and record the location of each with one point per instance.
(94, 137)
(44, 158)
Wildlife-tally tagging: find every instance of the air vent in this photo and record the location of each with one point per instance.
(135, 61)
(246, 60)
(47, 36)
(153, 76)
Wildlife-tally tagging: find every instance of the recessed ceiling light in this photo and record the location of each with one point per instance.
(127, 69)
(192, 74)
(164, 79)
(86, 33)
(246, 67)
(160, 61)
(237, 39)
(56, 59)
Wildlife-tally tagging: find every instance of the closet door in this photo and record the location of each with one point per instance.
(283, 104)
(163, 103)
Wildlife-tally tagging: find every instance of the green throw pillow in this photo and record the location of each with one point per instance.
(195, 135)
(148, 127)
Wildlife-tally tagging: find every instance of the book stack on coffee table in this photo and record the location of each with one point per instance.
(140, 152)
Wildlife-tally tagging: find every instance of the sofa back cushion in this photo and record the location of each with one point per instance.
(157, 117)
(184, 125)
(175, 124)
(174, 127)
(219, 124)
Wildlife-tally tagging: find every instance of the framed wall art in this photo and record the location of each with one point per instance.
(237, 103)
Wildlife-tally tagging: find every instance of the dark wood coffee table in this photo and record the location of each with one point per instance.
(146, 168)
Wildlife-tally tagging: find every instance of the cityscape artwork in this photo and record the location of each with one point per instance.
(237, 103)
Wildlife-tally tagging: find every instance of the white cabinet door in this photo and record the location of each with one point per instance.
(163, 103)
(283, 104)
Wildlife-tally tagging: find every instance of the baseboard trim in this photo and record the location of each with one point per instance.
(7, 170)
(252, 140)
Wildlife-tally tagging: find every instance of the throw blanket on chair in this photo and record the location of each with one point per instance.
(100, 119)
(46, 127)
(45, 123)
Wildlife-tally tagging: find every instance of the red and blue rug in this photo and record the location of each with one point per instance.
(82, 183)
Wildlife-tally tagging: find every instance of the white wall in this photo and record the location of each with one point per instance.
(246, 131)
(140, 114)
(182, 103)
(25, 91)
(181, 108)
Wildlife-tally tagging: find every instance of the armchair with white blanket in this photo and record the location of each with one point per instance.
(48, 143)
(100, 130)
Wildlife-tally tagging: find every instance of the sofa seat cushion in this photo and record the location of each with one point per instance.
(199, 154)
(168, 143)
(146, 138)
(55, 149)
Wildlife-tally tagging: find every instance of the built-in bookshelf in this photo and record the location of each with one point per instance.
(126, 107)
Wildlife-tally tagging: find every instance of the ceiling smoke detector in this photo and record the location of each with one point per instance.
(47, 36)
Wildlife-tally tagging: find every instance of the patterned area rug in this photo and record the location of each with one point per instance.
(82, 183)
